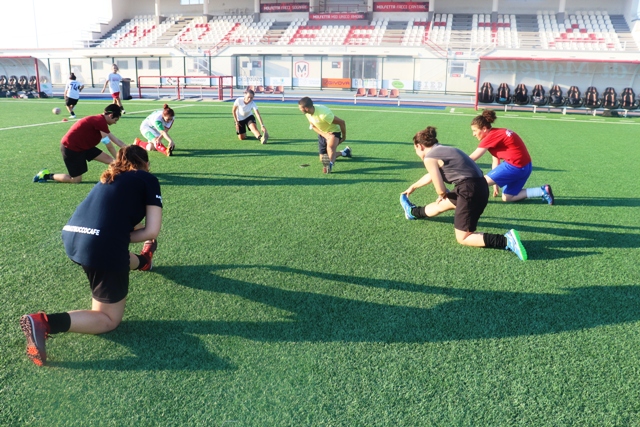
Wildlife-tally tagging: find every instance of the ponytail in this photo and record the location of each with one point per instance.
(129, 158)
(485, 119)
(426, 137)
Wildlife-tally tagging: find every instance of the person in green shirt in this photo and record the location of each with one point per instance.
(331, 130)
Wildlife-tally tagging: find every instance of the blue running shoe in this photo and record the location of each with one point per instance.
(346, 152)
(515, 245)
(407, 206)
(40, 176)
(547, 194)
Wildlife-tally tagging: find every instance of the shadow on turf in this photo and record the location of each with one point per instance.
(455, 315)
(185, 179)
(599, 201)
(568, 239)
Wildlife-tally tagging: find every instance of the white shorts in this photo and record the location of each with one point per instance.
(145, 130)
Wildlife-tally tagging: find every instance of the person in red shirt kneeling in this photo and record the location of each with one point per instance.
(79, 146)
(511, 165)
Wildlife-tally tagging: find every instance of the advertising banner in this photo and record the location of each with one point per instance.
(387, 6)
(284, 7)
(305, 81)
(337, 83)
(429, 85)
(279, 81)
(335, 16)
(249, 81)
(397, 84)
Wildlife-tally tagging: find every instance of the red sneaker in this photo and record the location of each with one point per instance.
(161, 148)
(36, 330)
(148, 249)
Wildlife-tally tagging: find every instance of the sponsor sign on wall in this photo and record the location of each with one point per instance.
(337, 83)
(311, 82)
(335, 16)
(429, 85)
(279, 81)
(387, 6)
(249, 81)
(284, 7)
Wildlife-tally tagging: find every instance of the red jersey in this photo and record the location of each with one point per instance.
(506, 145)
(85, 133)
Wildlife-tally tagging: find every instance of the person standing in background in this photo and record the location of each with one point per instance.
(113, 81)
(72, 94)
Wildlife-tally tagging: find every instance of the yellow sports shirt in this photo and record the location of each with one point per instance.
(322, 118)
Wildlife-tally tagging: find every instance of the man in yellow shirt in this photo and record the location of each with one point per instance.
(331, 130)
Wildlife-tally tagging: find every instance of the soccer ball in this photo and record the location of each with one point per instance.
(56, 110)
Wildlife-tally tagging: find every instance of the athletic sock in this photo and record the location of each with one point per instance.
(59, 322)
(143, 261)
(494, 241)
(419, 212)
(534, 192)
(49, 176)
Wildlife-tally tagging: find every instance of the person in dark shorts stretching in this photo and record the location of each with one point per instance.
(97, 238)
(331, 130)
(469, 197)
(245, 112)
(78, 146)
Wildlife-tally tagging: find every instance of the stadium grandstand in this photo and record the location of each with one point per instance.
(414, 47)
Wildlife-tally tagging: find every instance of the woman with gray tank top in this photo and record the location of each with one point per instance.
(469, 196)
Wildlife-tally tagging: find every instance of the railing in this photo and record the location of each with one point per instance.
(188, 82)
(337, 8)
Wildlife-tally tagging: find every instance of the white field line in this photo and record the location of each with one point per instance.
(374, 110)
(443, 113)
(60, 121)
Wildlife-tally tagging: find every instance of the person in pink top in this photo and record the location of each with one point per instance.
(511, 165)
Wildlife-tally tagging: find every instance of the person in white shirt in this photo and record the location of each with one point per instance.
(72, 94)
(243, 114)
(113, 81)
(155, 127)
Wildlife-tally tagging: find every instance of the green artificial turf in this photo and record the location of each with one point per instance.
(284, 297)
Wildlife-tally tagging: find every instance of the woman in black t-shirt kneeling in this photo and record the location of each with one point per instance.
(97, 237)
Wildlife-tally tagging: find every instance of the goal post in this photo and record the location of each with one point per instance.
(186, 85)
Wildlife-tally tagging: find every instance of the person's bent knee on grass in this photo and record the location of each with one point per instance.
(331, 130)
(468, 198)
(97, 238)
(245, 113)
(155, 127)
(511, 162)
(79, 146)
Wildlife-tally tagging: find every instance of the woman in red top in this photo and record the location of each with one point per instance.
(511, 164)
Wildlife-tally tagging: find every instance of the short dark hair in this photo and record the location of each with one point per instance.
(250, 92)
(72, 76)
(113, 109)
(306, 102)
